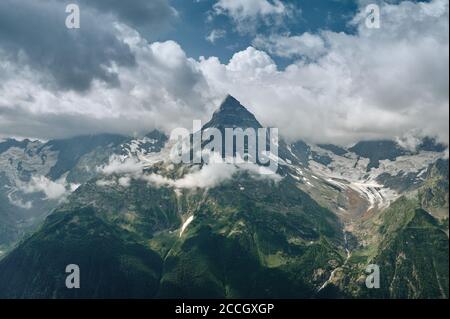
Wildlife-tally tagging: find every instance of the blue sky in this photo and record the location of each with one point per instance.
(193, 26)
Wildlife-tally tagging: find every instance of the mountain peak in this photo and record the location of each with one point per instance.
(230, 103)
(232, 113)
(157, 135)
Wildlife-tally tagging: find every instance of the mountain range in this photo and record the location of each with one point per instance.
(139, 226)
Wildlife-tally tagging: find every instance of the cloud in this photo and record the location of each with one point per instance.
(410, 140)
(377, 83)
(306, 45)
(34, 34)
(215, 35)
(341, 88)
(165, 89)
(206, 176)
(254, 62)
(53, 190)
(106, 183)
(18, 202)
(120, 165)
(140, 14)
(247, 15)
(124, 181)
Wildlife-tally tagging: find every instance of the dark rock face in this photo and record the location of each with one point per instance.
(232, 114)
(377, 151)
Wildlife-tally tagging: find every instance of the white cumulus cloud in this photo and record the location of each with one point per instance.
(304, 45)
(247, 14)
(215, 35)
(53, 190)
(377, 83)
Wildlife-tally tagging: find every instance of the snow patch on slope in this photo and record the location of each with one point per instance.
(350, 171)
(186, 224)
